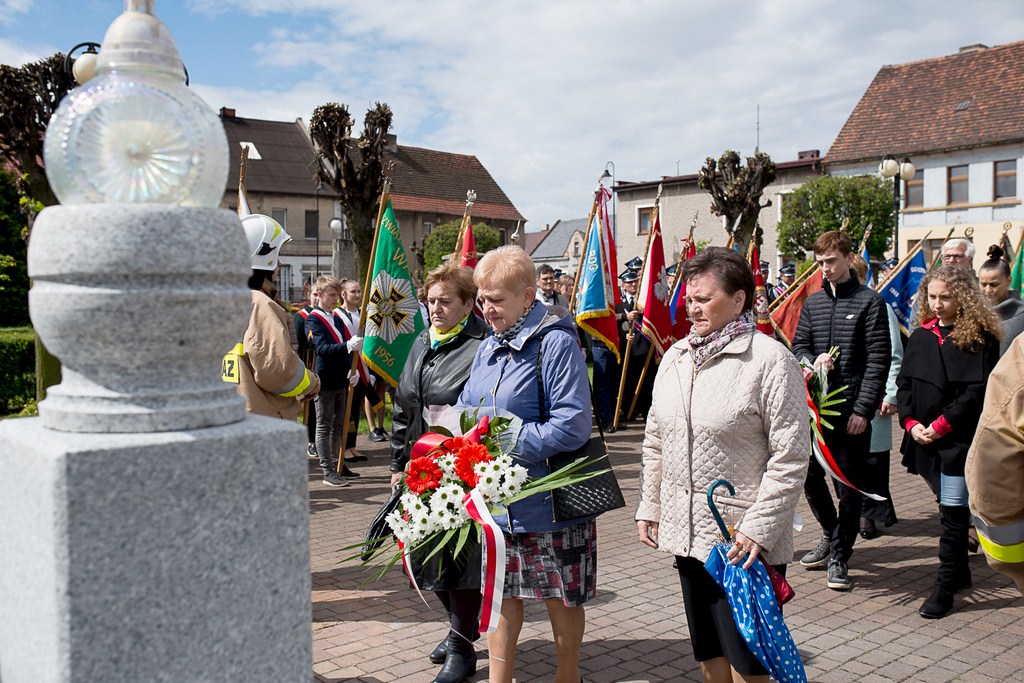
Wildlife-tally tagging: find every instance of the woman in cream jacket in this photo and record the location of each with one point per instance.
(729, 402)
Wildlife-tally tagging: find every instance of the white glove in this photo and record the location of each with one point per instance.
(373, 380)
(355, 344)
(353, 377)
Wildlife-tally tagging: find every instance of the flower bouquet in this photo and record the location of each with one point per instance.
(454, 483)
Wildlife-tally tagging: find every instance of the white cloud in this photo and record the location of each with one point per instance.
(10, 8)
(17, 54)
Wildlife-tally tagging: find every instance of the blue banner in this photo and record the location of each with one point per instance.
(901, 289)
(595, 308)
(869, 279)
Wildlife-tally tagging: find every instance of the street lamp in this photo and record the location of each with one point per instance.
(611, 175)
(904, 170)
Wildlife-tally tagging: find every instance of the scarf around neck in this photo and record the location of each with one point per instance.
(508, 335)
(439, 338)
(704, 348)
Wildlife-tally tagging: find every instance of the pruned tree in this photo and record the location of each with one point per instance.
(736, 191)
(442, 239)
(28, 98)
(823, 203)
(354, 168)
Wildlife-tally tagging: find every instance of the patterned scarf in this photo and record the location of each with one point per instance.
(704, 349)
(438, 338)
(505, 338)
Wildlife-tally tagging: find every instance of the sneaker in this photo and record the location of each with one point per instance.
(819, 556)
(334, 479)
(311, 450)
(347, 473)
(838, 577)
(377, 435)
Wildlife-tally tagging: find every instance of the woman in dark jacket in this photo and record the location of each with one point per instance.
(940, 391)
(435, 372)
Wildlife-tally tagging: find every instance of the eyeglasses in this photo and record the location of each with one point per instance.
(953, 257)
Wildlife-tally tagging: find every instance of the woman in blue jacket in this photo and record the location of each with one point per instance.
(533, 367)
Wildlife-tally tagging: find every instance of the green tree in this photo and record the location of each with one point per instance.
(823, 203)
(441, 241)
(353, 168)
(13, 256)
(736, 192)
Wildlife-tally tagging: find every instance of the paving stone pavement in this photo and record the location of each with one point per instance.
(381, 632)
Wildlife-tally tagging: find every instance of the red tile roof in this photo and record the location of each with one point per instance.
(971, 99)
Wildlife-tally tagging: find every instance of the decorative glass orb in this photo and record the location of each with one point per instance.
(135, 132)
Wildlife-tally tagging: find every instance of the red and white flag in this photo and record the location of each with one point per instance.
(654, 295)
(764, 319)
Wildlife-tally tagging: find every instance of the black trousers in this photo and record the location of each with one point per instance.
(851, 454)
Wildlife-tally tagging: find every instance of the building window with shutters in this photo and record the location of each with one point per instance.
(957, 184)
(914, 190)
(1005, 180)
(312, 224)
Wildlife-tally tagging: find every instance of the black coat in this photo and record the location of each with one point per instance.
(434, 377)
(942, 380)
(855, 320)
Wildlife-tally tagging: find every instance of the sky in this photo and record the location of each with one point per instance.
(547, 92)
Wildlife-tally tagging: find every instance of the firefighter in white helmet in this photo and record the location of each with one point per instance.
(268, 372)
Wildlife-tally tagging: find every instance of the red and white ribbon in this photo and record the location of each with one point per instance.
(494, 558)
(408, 572)
(821, 451)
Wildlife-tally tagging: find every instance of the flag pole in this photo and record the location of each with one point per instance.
(899, 266)
(797, 283)
(586, 243)
(864, 241)
(679, 262)
(631, 333)
(347, 415)
(643, 375)
(939, 257)
(470, 200)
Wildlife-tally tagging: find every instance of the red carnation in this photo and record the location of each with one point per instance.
(424, 475)
(468, 456)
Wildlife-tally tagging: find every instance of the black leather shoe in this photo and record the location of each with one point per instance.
(460, 663)
(938, 605)
(439, 653)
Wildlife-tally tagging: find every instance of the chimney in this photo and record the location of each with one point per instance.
(972, 48)
(226, 113)
(809, 154)
(391, 143)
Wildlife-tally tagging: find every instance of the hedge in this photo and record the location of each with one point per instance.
(17, 368)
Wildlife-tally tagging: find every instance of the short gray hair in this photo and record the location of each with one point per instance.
(956, 242)
(508, 266)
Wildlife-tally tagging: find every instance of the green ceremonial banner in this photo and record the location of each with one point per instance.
(1017, 274)
(393, 317)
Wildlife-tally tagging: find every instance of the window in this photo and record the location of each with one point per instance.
(281, 216)
(914, 190)
(312, 224)
(427, 227)
(1005, 180)
(957, 184)
(283, 281)
(930, 247)
(576, 247)
(643, 220)
(504, 236)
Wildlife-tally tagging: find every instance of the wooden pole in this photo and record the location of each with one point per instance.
(797, 282)
(939, 257)
(586, 244)
(892, 273)
(643, 375)
(466, 220)
(679, 263)
(636, 300)
(384, 196)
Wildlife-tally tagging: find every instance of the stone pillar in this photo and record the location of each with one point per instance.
(150, 529)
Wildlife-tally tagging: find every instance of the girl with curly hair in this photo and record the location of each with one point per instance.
(940, 391)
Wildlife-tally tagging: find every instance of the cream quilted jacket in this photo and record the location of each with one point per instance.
(743, 417)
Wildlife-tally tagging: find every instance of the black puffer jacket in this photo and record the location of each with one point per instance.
(430, 378)
(854, 319)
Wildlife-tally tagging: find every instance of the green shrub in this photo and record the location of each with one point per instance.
(17, 368)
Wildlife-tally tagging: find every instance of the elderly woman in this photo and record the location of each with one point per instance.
(535, 353)
(755, 435)
(434, 374)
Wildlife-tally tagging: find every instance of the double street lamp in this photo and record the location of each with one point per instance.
(904, 170)
(604, 176)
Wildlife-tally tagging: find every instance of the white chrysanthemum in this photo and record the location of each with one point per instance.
(446, 463)
(488, 488)
(503, 461)
(446, 497)
(516, 473)
(399, 527)
(509, 488)
(412, 502)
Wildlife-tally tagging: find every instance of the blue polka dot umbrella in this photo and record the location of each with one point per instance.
(755, 609)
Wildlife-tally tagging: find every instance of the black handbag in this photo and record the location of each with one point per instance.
(594, 496)
(379, 530)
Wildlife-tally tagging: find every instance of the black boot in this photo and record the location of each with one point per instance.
(460, 663)
(439, 653)
(954, 572)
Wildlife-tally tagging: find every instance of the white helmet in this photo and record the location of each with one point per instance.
(265, 237)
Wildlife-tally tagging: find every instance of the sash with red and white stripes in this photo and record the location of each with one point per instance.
(340, 337)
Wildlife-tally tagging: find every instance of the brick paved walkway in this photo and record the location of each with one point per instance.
(636, 630)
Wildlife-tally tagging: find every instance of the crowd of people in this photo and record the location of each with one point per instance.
(501, 337)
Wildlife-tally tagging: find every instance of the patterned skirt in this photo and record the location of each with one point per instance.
(552, 565)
